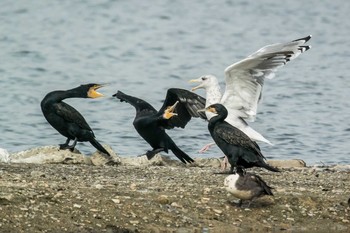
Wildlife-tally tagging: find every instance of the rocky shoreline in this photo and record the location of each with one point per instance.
(47, 190)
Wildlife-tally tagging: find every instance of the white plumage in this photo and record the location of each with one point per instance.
(230, 183)
(245, 80)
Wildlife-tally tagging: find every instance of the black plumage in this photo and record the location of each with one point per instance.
(151, 124)
(240, 150)
(67, 120)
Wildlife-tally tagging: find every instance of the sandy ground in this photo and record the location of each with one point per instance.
(167, 197)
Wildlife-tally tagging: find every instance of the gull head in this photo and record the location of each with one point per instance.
(205, 81)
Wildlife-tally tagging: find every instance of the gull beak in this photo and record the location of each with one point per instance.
(93, 93)
(198, 80)
(209, 109)
(169, 112)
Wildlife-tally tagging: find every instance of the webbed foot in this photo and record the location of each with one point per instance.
(151, 153)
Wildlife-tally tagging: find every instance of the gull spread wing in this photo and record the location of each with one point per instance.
(245, 79)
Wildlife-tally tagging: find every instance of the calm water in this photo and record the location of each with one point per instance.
(145, 47)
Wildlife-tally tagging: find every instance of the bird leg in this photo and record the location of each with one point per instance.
(240, 203)
(251, 201)
(151, 153)
(169, 111)
(66, 146)
(71, 148)
(206, 147)
(224, 163)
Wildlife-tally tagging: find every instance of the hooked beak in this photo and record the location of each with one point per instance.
(169, 112)
(201, 110)
(93, 93)
(198, 80)
(209, 109)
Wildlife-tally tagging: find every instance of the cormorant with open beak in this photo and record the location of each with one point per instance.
(67, 120)
(151, 124)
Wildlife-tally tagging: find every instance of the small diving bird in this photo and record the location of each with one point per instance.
(244, 82)
(246, 186)
(240, 150)
(67, 120)
(151, 124)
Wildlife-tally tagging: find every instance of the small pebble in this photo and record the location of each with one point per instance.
(217, 211)
(116, 201)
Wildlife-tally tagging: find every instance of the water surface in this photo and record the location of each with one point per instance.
(145, 47)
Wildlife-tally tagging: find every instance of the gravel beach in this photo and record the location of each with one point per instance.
(163, 195)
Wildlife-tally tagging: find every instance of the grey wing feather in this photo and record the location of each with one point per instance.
(245, 79)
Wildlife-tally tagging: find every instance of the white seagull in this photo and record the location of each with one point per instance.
(244, 83)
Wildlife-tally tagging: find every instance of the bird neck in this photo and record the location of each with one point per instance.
(213, 95)
(217, 118)
(57, 96)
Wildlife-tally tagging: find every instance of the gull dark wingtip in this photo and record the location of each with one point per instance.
(306, 39)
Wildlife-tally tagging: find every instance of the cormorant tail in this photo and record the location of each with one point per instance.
(185, 158)
(98, 146)
(268, 167)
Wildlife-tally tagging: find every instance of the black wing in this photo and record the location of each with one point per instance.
(234, 136)
(142, 107)
(70, 114)
(188, 106)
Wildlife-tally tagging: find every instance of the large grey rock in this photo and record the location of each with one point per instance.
(143, 161)
(49, 154)
(157, 160)
(100, 159)
(217, 163)
(289, 163)
(209, 162)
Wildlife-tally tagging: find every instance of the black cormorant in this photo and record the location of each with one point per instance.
(240, 150)
(67, 120)
(246, 186)
(151, 124)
